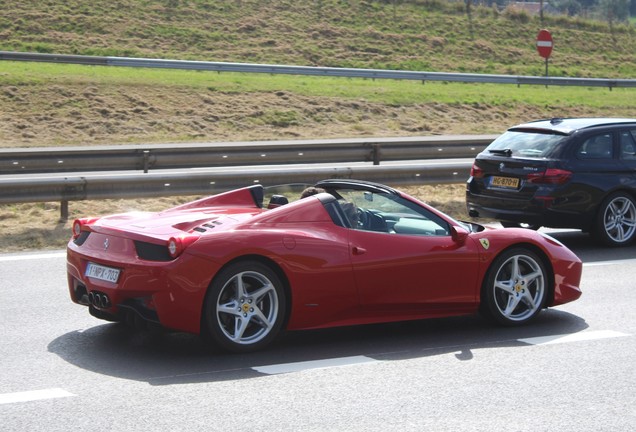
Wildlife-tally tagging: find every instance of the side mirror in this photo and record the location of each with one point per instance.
(458, 234)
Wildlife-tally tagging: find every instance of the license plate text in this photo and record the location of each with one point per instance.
(505, 182)
(102, 273)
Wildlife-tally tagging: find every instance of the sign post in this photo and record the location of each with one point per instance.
(544, 46)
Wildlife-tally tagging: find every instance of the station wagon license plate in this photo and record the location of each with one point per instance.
(100, 272)
(505, 182)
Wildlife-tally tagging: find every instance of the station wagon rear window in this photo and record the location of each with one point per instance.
(526, 144)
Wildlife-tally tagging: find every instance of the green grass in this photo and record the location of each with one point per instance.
(390, 92)
(410, 34)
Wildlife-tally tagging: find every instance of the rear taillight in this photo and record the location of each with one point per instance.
(476, 172)
(77, 228)
(550, 176)
(79, 224)
(176, 245)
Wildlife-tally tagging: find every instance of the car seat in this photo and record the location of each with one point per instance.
(277, 201)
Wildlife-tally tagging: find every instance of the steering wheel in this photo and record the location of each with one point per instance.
(363, 218)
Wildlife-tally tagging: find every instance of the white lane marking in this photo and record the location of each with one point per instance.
(35, 395)
(574, 337)
(604, 263)
(314, 364)
(4, 258)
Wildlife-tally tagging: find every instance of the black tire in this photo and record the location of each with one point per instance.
(245, 306)
(532, 227)
(515, 287)
(615, 223)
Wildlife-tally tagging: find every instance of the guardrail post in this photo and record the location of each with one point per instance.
(146, 158)
(63, 211)
(376, 154)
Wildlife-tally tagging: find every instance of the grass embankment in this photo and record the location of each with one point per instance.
(49, 104)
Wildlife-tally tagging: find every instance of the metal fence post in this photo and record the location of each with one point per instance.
(63, 211)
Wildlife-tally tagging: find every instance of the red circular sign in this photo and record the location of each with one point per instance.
(544, 43)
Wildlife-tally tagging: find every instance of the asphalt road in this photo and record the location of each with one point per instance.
(572, 370)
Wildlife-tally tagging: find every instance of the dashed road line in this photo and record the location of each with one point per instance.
(38, 256)
(284, 368)
(355, 360)
(573, 337)
(34, 395)
(622, 262)
(313, 364)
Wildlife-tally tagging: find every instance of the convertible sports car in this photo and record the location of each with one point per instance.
(228, 268)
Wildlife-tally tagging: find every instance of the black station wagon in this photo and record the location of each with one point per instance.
(560, 173)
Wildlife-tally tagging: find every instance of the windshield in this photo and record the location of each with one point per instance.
(526, 144)
(388, 213)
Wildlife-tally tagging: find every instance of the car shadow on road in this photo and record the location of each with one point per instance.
(177, 358)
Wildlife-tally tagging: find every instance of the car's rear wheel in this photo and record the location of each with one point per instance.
(616, 220)
(533, 227)
(245, 307)
(515, 287)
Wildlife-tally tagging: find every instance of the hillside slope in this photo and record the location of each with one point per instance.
(410, 34)
(41, 106)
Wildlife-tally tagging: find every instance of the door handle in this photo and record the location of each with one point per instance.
(357, 250)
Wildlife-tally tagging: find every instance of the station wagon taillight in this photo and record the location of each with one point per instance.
(550, 176)
(476, 172)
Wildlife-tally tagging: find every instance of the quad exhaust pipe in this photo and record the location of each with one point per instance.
(99, 300)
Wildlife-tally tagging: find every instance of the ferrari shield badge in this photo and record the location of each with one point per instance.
(485, 243)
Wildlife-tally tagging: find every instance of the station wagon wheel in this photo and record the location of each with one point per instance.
(245, 307)
(616, 220)
(515, 286)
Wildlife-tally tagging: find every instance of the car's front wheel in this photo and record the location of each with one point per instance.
(616, 220)
(245, 307)
(515, 287)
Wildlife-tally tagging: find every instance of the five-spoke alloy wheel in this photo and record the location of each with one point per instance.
(245, 307)
(515, 287)
(616, 220)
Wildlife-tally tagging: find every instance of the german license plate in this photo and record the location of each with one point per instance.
(100, 272)
(505, 182)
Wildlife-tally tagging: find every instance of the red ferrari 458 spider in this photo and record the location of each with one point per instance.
(240, 272)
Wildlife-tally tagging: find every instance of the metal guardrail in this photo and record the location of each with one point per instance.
(43, 188)
(315, 71)
(28, 173)
(175, 156)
